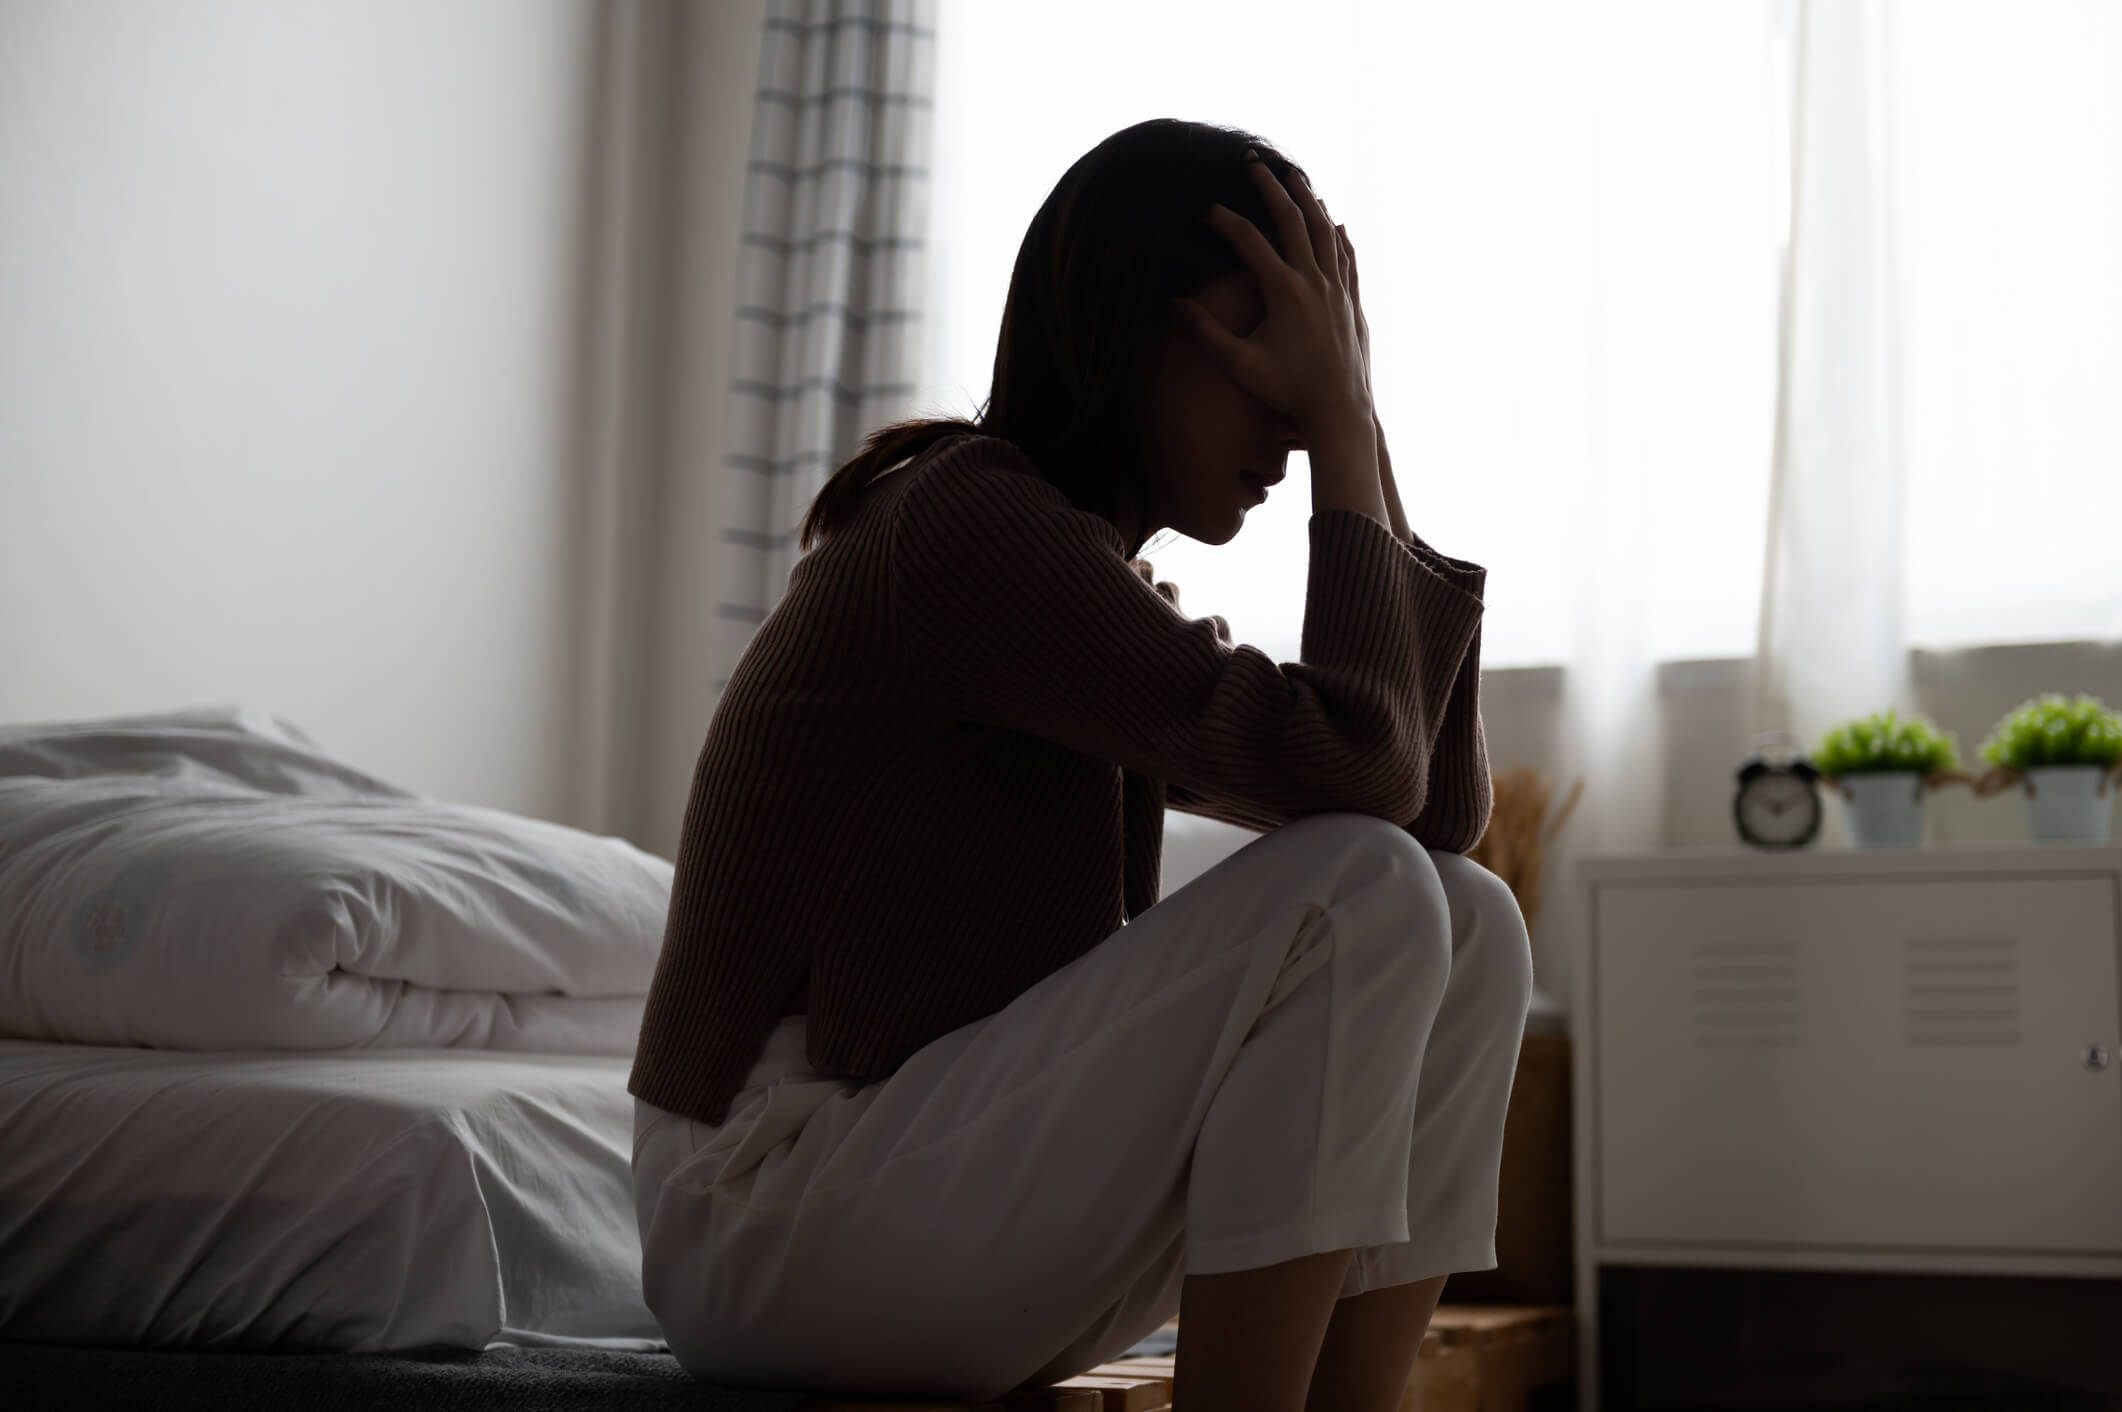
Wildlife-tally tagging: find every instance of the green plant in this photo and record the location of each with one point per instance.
(2051, 731)
(1885, 741)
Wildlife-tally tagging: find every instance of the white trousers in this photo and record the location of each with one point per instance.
(1308, 1048)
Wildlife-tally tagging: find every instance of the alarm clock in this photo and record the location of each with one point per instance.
(1778, 803)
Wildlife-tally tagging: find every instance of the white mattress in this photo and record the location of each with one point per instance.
(362, 1200)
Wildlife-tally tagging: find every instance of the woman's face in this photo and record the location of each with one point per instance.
(1209, 445)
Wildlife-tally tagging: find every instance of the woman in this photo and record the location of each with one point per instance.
(936, 1098)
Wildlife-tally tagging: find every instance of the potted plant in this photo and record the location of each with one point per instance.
(1881, 764)
(2068, 755)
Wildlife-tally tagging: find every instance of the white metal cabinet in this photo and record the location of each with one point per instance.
(1873, 1064)
(1892, 1059)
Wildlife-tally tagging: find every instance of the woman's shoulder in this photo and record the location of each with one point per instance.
(975, 453)
(988, 489)
(970, 473)
(937, 476)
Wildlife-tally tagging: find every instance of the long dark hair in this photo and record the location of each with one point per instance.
(1122, 232)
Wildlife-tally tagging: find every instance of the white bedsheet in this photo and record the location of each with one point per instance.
(361, 1201)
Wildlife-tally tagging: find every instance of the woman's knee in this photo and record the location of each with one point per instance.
(1369, 836)
(1386, 853)
(1488, 927)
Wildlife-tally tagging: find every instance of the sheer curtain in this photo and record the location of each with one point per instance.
(1948, 469)
(1833, 636)
(1664, 550)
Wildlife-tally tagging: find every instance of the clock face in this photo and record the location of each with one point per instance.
(1778, 808)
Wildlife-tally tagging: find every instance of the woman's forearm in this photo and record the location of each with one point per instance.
(1385, 484)
(1344, 464)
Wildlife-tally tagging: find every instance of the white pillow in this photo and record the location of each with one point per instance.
(195, 882)
(229, 744)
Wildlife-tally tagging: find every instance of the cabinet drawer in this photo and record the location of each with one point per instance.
(1859, 1063)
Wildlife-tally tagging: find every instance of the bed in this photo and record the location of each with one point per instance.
(361, 1202)
(295, 1059)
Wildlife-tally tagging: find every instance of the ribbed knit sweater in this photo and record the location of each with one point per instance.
(939, 770)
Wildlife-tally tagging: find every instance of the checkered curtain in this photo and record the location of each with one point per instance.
(835, 218)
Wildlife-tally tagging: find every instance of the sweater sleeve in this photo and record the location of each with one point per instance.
(1015, 609)
(1469, 576)
(1461, 794)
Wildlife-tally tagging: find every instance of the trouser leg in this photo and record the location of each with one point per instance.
(1454, 1152)
(1456, 1146)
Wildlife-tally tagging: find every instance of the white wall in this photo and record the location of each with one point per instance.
(288, 390)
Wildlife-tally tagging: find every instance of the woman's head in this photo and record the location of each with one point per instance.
(1094, 378)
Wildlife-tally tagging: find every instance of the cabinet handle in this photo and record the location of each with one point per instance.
(2095, 1056)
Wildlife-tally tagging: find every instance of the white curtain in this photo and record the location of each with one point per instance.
(829, 296)
(1942, 471)
(629, 251)
(1833, 639)
(1653, 498)
(1945, 471)
(1830, 638)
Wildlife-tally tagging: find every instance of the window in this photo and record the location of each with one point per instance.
(1568, 219)
(2008, 197)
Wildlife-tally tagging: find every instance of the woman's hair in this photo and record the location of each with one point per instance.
(1122, 232)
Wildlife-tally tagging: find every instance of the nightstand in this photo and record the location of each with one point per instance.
(1876, 1060)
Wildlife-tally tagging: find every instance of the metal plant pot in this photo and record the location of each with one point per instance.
(1885, 808)
(2069, 803)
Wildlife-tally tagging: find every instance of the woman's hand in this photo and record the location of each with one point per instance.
(1307, 359)
(1170, 592)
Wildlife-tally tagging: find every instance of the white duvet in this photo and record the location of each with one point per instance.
(214, 880)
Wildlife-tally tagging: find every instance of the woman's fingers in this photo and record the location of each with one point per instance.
(1299, 240)
(1317, 223)
(1355, 298)
(1246, 239)
(1308, 350)
(1148, 574)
